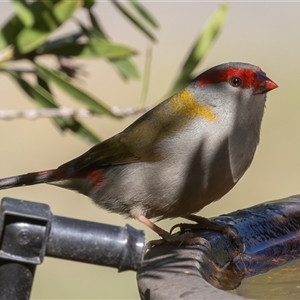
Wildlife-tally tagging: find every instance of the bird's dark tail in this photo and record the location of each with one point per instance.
(30, 179)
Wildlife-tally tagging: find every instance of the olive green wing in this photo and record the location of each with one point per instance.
(113, 151)
(137, 143)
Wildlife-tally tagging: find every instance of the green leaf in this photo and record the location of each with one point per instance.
(64, 123)
(88, 3)
(11, 29)
(93, 48)
(126, 68)
(144, 13)
(24, 13)
(43, 97)
(95, 24)
(80, 130)
(84, 31)
(65, 9)
(129, 16)
(36, 94)
(9, 32)
(66, 84)
(146, 77)
(48, 20)
(201, 47)
(47, 99)
(59, 42)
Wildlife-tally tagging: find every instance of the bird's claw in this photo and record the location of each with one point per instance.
(232, 234)
(229, 230)
(186, 238)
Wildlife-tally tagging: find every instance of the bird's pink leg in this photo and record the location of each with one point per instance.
(186, 238)
(161, 232)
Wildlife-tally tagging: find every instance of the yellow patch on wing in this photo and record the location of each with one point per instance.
(186, 102)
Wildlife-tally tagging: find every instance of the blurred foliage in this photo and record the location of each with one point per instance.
(30, 34)
(200, 48)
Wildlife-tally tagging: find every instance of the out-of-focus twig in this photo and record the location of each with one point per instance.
(65, 112)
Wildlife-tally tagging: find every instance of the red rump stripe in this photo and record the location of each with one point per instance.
(248, 76)
(96, 178)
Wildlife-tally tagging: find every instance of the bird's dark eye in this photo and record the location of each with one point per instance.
(236, 81)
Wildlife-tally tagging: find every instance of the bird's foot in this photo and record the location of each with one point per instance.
(186, 238)
(206, 224)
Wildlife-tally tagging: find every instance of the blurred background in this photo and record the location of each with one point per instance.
(265, 34)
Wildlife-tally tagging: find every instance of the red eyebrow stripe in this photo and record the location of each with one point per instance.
(247, 75)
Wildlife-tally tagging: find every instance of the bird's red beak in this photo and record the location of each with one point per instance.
(263, 84)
